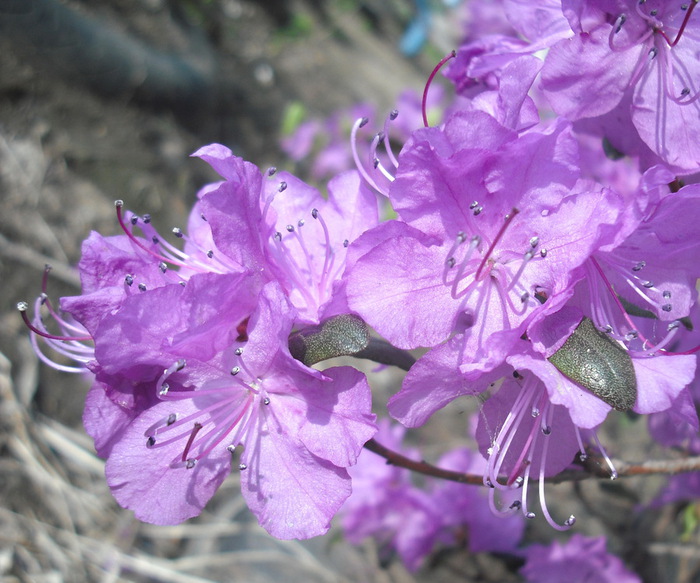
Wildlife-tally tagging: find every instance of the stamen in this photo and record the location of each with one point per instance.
(24, 306)
(473, 245)
(162, 387)
(356, 156)
(509, 218)
(543, 503)
(424, 104)
(613, 471)
(387, 144)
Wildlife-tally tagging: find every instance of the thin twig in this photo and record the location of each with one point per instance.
(594, 467)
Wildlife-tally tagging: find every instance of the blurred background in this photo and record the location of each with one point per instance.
(106, 99)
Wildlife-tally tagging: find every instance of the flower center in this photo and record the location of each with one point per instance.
(464, 270)
(225, 409)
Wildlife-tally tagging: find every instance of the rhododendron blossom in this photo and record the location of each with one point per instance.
(534, 249)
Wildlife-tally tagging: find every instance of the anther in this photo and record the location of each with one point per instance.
(673, 325)
(163, 267)
(620, 21)
(266, 401)
(530, 515)
(570, 521)
(271, 171)
(394, 114)
(277, 236)
(632, 335)
(238, 351)
(290, 228)
(210, 254)
(346, 243)
(546, 430)
(641, 265)
(177, 231)
(477, 210)
(129, 280)
(22, 306)
(165, 387)
(375, 163)
(190, 463)
(242, 467)
(134, 220)
(364, 121)
(155, 240)
(151, 441)
(582, 456)
(666, 294)
(314, 213)
(685, 91)
(653, 51)
(142, 287)
(171, 419)
(667, 307)
(118, 203)
(653, 12)
(231, 448)
(534, 241)
(516, 505)
(543, 253)
(201, 215)
(451, 262)
(648, 284)
(235, 370)
(301, 223)
(524, 297)
(282, 187)
(473, 205)
(146, 219)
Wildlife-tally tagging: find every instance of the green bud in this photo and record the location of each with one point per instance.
(592, 359)
(342, 335)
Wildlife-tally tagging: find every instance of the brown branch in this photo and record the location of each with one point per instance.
(594, 467)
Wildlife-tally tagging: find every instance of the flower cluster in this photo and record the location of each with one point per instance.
(542, 254)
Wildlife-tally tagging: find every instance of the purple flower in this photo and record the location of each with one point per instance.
(639, 58)
(387, 506)
(480, 62)
(488, 217)
(679, 488)
(580, 560)
(283, 229)
(465, 512)
(299, 428)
